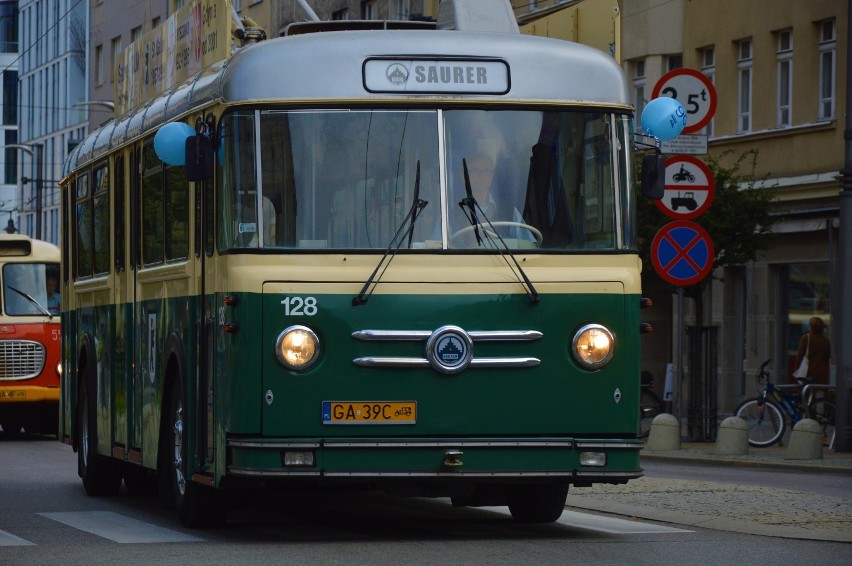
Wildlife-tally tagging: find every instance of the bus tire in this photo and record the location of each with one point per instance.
(196, 505)
(537, 503)
(11, 427)
(101, 475)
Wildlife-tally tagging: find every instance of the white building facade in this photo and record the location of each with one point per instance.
(52, 79)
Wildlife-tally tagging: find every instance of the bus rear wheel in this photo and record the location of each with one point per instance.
(537, 503)
(101, 475)
(197, 505)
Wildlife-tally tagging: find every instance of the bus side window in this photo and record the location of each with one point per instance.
(83, 217)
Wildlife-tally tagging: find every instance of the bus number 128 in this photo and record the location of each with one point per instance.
(298, 306)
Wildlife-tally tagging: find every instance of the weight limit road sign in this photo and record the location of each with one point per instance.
(682, 253)
(689, 188)
(695, 93)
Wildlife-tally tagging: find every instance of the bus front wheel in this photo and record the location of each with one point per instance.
(537, 503)
(197, 505)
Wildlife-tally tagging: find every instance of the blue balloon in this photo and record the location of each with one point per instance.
(170, 142)
(664, 118)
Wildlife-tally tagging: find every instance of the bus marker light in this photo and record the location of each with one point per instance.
(231, 327)
(593, 459)
(231, 300)
(297, 459)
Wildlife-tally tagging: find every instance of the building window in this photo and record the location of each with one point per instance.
(784, 56)
(400, 9)
(116, 57)
(10, 98)
(368, 10)
(8, 27)
(99, 65)
(10, 171)
(708, 68)
(155, 23)
(340, 14)
(135, 34)
(674, 62)
(827, 49)
(744, 62)
(639, 88)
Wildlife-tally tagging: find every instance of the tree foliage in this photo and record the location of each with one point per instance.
(738, 220)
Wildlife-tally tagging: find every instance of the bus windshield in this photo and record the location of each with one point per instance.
(556, 180)
(30, 289)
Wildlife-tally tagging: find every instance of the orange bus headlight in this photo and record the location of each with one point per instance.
(297, 347)
(593, 346)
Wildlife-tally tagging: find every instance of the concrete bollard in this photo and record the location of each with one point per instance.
(665, 433)
(732, 437)
(805, 441)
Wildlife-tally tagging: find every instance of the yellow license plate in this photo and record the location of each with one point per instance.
(369, 412)
(13, 394)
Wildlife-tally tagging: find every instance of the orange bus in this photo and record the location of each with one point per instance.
(29, 335)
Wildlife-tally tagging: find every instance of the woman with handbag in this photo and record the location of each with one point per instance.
(812, 358)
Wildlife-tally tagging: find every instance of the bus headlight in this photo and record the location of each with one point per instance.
(593, 346)
(297, 348)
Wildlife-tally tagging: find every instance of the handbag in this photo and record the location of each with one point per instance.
(802, 370)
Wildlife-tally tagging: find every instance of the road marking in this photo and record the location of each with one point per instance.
(604, 524)
(8, 539)
(118, 528)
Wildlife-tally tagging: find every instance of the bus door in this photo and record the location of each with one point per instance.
(122, 300)
(206, 349)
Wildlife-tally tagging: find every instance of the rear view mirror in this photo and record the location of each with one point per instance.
(199, 158)
(653, 176)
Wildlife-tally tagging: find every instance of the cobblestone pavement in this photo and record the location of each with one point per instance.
(740, 508)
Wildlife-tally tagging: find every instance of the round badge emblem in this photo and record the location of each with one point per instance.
(449, 349)
(397, 74)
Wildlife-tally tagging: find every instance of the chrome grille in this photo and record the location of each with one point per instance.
(20, 359)
(372, 335)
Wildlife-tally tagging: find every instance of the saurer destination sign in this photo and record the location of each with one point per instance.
(436, 76)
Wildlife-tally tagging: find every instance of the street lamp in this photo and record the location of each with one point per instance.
(38, 153)
(10, 226)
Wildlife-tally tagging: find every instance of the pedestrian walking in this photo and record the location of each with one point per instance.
(815, 351)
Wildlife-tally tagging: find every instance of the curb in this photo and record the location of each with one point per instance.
(820, 466)
(681, 519)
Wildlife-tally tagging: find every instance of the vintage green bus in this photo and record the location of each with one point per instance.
(322, 296)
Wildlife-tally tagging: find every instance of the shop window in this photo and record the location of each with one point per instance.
(806, 294)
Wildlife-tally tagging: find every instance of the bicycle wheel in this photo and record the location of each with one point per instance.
(765, 422)
(649, 407)
(824, 413)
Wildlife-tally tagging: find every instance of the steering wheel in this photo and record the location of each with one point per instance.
(500, 223)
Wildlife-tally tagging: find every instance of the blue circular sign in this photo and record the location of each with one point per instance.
(449, 349)
(682, 253)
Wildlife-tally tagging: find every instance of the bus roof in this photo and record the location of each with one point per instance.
(331, 67)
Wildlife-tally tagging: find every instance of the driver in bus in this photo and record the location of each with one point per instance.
(52, 288)
(491, 201)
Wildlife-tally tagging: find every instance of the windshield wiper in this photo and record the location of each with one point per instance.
(408, 222)
(470, 207)
(31, 299)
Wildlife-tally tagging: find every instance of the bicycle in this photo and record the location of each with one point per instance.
(649, 405)
(765, 414)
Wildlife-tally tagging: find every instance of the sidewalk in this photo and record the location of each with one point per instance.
(758, 510)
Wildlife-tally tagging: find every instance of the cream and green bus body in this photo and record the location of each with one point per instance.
(322, 310)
